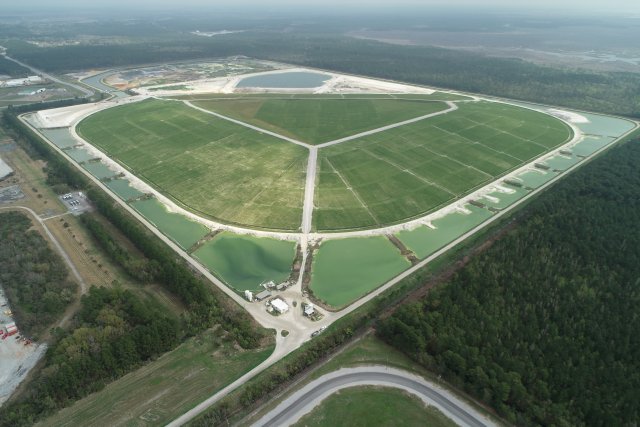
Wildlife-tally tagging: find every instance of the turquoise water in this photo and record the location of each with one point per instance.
(505, 199)
(99, 170)
(561, 162)
(175, 226)
(424, 241)
(292, 80)
(535, 179)
(79, 155)
(122, 188)
(60, 137)
(590, 145)
(96, 83)
(605, 126)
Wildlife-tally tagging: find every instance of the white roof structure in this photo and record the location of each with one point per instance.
(5, 169)
(279, 305)
(308, 309)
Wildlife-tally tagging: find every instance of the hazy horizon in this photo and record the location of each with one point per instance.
(576, 6)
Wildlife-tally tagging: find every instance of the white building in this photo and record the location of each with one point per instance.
(279, 305)
(309, 310)
(25, 81)
(248, 295)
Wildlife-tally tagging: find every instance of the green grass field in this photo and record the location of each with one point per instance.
(368, 406)
(408, 171)
(344, 270)
(244, 262)
(211, 166)
(165, 388)
(318, 120)
(236, 175)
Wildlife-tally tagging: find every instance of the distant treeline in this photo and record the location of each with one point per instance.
(614, 93)
(33, 277)
(544, 325)
(12, 69)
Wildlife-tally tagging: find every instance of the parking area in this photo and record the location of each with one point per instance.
(76, 202)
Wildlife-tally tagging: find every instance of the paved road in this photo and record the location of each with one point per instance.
(304, 400)
(82, 89)
(63, 253)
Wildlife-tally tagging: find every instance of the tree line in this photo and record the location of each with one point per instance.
(33, 277)
(115, 332)
(608, 92)
(543, 326)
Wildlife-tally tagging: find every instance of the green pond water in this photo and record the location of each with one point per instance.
(590, 145)
(535, 179)
(605, 126)
(175, 226)
(244, 262)
(505, 199)
(99, 170)
(60, 137)
(424, 241)
(291, 80)
(561, 162)
(344, 270)
(122, 188)
(79, 155)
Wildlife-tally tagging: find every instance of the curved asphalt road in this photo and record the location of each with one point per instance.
(305, 399)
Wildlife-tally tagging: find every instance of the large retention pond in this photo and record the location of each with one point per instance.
(291, 80)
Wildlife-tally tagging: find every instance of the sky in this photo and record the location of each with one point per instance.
(583, 5)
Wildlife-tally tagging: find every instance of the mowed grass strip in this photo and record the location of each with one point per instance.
(369, 406)
(344, 270)
(244, 262)
(211, 166)
(406, 172)
(318, 120)
(166, 388)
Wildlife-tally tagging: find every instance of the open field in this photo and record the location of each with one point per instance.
(344, 270)
(165, 388)
(244, 262)
(405, 172)
(318, 120)
(374, 406)
(210, 166)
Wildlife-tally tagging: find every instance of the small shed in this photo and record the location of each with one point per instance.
(262, 295)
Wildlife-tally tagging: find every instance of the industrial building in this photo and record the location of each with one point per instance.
(24, 81)
(279, 305)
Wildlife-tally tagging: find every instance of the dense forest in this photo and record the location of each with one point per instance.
(11, 69)
(544, 325)
(606, 92)
(115, 332)
(33, 276)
